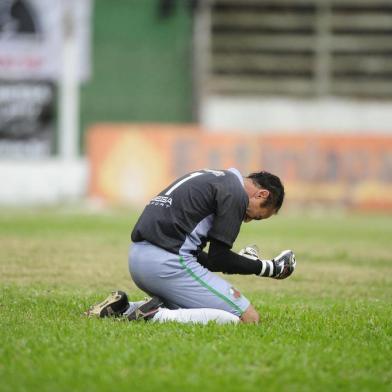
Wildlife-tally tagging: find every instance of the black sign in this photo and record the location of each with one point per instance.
(27, 119)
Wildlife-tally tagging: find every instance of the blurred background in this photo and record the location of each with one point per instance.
(108, 101)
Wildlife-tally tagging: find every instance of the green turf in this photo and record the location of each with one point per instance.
(327, 328)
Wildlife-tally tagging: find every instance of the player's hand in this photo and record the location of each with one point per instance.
(285, 264)
(251, 252)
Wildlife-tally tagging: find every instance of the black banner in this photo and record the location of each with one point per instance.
(27, 119)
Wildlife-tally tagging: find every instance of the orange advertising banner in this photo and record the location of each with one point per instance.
(131, 163)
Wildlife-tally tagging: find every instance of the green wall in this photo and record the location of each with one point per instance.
(141, 64)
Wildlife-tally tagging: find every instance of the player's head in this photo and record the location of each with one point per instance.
(266, 195)
(272, 183)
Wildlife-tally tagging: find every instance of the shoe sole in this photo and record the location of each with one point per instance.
(104, 308)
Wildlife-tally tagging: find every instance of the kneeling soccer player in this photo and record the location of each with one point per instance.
(166, 259)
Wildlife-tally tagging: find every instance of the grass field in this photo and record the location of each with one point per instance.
(327, 328)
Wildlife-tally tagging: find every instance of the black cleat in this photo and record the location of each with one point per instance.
(113, 306)
(147, 310)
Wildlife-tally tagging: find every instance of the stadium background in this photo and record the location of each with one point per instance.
(300, 88)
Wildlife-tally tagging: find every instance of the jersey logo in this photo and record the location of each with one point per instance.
(162, 201)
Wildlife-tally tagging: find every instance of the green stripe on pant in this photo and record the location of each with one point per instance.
(208, 287)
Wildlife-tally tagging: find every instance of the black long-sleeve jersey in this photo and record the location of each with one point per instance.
(201, 206)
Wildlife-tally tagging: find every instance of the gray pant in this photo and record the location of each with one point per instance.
(181, 281)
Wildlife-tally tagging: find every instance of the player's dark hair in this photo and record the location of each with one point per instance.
(273, 184)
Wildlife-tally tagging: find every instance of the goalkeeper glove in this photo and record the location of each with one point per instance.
(280, 267)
